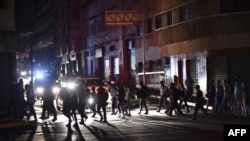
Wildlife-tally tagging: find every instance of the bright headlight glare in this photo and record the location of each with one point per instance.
(39, 89)
(71, 85)
(91, 100)
(64, 84)
(23, 73)
(55, 89)
(39, 75)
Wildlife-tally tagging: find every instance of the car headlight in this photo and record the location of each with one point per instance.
(91, 100)
(55, 90)
(39, 90)
(71, 85)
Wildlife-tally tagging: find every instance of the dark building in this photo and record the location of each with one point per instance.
(8, 47)
(206, 39)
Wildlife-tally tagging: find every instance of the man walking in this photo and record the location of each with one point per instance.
(143, 94)
(102, 97)
(163, 96)
(199, 103)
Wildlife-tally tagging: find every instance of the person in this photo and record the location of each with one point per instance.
(211, 95)
(48, 102)
(199, 104)
(240, 96)
(102, 97)
(219, 96)
(190, 85)
(226, 102)
(70, 102)
(93, 101)
(183, 97)
(66, 107)
(163, 96)
(30, 99)
(21, 102)
(174, 96)
(127, 99)
(121, 95)
(82, 96)
(143, 95)
(112, 89)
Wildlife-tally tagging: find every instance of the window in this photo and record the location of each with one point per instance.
(155, 65)
(183, 13)
(139, 67)
(234, 5)
(149, 26)
(98, 52)
(139, 31)
(132, 60)
(131, 44)
(169, 17)
(116, 65)
(86, 53)
(112, 48)
(158, 21)
(107, 68)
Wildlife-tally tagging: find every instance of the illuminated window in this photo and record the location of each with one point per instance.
(116, 65)
(139, 31)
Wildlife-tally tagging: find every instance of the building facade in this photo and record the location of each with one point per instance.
(205, 39)
(106, 49)
(8, 47)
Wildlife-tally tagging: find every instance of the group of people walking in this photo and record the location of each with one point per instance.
(225, 96)
(221, 96)
(78, 99)
(179, 95)
(23, 100)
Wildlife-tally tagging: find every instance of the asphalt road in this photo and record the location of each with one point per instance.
(138, 127)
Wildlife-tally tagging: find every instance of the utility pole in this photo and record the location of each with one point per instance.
(31, 45)
(144, 52)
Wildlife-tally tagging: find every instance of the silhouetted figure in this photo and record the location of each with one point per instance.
(21, 103)
(102, 97)
(240, 97)
(112, 89)
(48, 102)
(226, 102)
(127, 99)
(190, 85)
(143, 94)
(199, 103)
(183, 97)
(30, 100)
(211, 95)
(93, 101)
(121, 95)
(219, 96)
(82, 97)
(174, 96)
(163, 96)
(66, 107)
